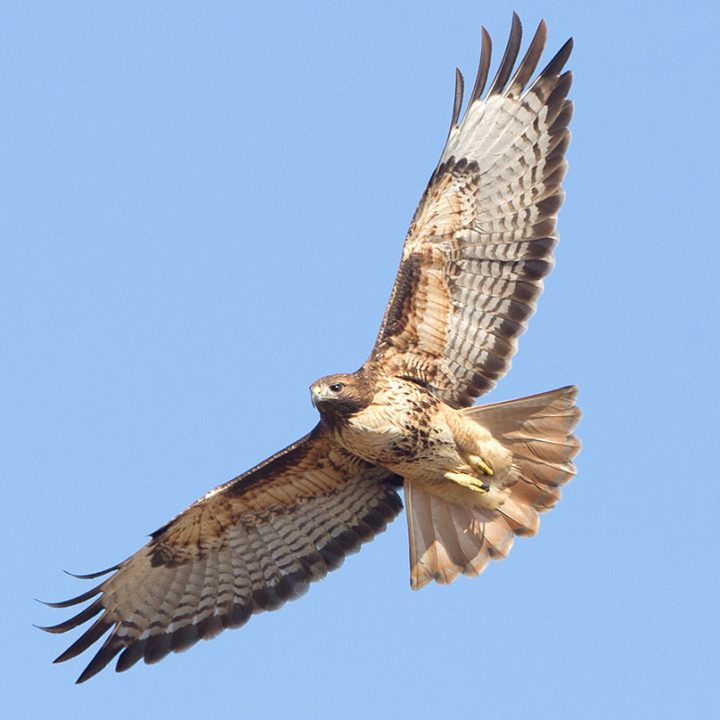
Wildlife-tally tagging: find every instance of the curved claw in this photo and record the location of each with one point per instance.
(477, 463)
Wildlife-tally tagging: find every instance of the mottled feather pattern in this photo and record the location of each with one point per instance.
(482, 237)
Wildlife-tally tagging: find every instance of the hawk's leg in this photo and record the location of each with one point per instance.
(483, 463)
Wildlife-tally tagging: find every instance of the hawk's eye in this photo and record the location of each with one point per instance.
(335, 387)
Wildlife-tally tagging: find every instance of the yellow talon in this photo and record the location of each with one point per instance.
(479, 464)
(468, 481)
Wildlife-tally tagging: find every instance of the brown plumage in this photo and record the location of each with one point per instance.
(471, 270)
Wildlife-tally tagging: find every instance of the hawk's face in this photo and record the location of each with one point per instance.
(340, 395)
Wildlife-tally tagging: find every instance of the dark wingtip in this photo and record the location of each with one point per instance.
(90, 636)
(558, 62)
(509, 57)
(75, 600)
(457, 101)
(483, 66)
(83, 616)
(530, 61)
(92, 576)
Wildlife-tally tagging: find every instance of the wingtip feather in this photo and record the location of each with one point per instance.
(458, 98)
(530, 61)
(483, 66)
(509, 57)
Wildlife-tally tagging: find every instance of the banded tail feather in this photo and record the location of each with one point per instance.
(447, 539)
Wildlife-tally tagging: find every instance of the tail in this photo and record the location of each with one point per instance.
(447, 539)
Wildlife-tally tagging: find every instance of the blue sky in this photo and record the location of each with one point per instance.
(205, 205)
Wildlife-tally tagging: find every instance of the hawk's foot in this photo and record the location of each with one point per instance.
(484, 495)
(468, 481)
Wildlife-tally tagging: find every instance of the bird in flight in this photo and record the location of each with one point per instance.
(472, 268)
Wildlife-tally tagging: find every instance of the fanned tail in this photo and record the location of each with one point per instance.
(447, 539)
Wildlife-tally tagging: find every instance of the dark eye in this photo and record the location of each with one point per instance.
(335, 387)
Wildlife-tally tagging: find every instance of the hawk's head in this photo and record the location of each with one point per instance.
(341, 395)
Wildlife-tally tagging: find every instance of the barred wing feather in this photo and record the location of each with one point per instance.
(246, 547)
(483, 234)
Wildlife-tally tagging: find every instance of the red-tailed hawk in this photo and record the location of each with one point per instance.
(472, 266)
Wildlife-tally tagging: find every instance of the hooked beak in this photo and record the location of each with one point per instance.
(315, 395)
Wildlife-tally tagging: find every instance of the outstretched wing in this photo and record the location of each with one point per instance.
(245, 547)
(482, 237)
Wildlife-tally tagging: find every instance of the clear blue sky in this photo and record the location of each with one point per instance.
(203, 210)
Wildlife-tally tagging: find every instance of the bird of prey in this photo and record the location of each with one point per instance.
(472, 268)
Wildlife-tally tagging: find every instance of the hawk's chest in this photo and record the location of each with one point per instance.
(403, 425)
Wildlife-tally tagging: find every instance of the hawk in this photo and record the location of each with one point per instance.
(472, 268)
